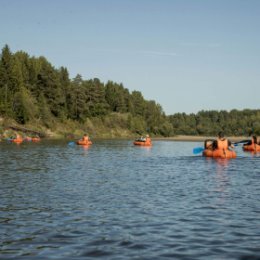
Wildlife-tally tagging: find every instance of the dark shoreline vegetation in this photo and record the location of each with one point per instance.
(35, 95)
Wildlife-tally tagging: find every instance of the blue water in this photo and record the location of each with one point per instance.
(117, 201)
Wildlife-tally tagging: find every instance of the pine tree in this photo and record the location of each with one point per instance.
(6, 81)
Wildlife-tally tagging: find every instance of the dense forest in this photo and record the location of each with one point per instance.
(35, 93)
(209, 123)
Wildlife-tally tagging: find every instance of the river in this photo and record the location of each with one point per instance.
(117, 201)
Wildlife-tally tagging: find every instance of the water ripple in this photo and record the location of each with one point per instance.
(116, 201)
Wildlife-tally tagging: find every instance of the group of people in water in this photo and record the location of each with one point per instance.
(221, 146)
(254, 140)
(210, 145)
(223, 143)
(17, 138)
(220, 143)
(143, 139)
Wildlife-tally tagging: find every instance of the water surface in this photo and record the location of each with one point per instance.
(117, 201)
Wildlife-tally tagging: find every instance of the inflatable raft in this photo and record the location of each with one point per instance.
(219, 153)
(83, 142)
(36, 139)
(17, 140)
(251, 148)
(143, 143)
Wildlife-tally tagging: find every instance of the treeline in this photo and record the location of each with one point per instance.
(32, 90)
(209, 123)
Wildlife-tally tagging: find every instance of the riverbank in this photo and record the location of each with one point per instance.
(190, 138)
(94, 128)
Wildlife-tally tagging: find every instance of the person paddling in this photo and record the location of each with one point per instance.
(148, 139)
(222, 142)
(141, 139)
(252, 141)
(85, 138)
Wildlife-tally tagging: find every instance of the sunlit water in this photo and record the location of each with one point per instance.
(117, 201)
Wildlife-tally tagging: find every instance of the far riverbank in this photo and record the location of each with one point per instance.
(191, 138)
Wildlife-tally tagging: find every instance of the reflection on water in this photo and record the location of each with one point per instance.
(113, 200)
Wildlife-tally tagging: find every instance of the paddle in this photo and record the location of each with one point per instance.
(9, 139)
(198, 150)
(241, 142)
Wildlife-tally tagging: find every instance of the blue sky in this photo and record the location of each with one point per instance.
(187, 55)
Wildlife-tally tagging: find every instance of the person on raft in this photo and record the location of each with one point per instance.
(252, 141)
(148, 139)
(144, 139)
(220, 143)
(18, 136)
(208, 144)
(141, 139)
(85, 138)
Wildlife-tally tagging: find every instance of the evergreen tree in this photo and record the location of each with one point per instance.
(96, 101)
(138, 103)
(117, 97)
(49, 84)
(77, 98)
(6, 81)
(65, 85)
(25, 108)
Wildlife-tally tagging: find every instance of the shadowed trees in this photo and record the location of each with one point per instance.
(32, 89)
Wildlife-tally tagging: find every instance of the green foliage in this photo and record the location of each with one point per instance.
(166, 129)
(6, 82)
(138, 103)
(118, 98)
(233, 123)
(45, 115)
(137, 124)
(24, 105)
(32, 90)
(96, 101)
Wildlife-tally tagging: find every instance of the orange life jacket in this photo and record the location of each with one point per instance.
(253, 144)
(148, 140)
(222, 144)
(85, 138)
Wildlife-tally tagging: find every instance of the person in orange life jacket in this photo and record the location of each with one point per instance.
(18, 137)
(222, 142)
(141, 139)
(208, 144)
(252, 141)
(148, 139)
(85, 138)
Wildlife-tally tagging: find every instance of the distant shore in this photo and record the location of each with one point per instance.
(191, 138)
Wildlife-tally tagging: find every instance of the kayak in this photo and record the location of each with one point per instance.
(219, 153)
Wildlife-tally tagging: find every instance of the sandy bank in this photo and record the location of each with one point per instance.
(190, 138)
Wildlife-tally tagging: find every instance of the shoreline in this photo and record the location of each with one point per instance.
(191, 138)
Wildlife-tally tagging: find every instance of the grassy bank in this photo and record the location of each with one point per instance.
(96, 128)
(191, 138)
(113, 126)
